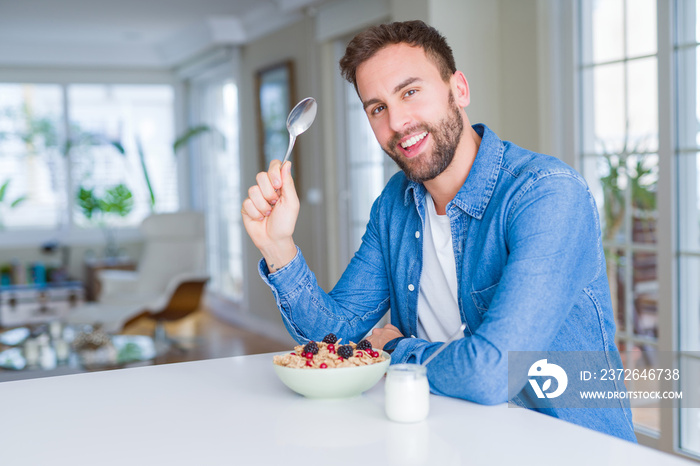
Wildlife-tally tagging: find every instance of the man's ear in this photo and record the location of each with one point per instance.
(460, 89)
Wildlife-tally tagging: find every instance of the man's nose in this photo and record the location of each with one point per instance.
(399, 119)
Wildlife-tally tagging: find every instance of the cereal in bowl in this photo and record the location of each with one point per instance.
(329, 353)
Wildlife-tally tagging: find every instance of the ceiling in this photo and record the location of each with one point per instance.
(134, 33)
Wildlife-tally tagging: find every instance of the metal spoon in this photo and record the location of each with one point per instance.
(299, 120)
(444, 345)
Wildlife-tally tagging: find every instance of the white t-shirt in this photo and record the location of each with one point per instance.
(438, 308)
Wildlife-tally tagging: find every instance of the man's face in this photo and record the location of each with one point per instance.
(411, 109)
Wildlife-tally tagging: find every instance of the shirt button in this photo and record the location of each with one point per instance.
(417, 234)
(411, 287)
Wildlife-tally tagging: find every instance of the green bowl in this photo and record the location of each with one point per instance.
(339, 382)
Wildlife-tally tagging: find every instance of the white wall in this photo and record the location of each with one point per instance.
(495, 45)
(473, 30)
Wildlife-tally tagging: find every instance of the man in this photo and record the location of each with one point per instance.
(473, 230)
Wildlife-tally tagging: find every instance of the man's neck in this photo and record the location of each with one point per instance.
(447, 184)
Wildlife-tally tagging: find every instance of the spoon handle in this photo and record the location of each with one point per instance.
(444, 345)
(292, 138)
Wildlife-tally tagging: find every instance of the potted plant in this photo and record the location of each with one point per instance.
(116, 201)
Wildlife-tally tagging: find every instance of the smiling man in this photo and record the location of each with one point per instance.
(473, 230)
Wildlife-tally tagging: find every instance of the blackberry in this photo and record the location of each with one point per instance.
(311, 347)
(345, 351)
(330, 338)
(364, 345)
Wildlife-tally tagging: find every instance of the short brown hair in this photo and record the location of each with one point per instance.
(414, 33)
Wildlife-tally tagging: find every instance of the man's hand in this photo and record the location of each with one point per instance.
(382, 336)
(270, 214)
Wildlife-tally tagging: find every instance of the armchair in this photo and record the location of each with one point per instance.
(178, 303)
(173, 252)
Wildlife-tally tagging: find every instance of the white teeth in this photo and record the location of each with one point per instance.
(409, 142)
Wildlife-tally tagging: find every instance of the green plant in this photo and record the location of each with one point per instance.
(147, 179)
(185, 137)
(3, 192)
(6, 203)
(620, 172)
(117, 200)
(179, 143)
(37, 131)
(88, 202)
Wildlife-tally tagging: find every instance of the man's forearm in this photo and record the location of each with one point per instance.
(470, 368)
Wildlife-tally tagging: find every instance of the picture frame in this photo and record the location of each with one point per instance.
(275, 95)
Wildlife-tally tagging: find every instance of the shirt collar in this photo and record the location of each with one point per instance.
(475, 193)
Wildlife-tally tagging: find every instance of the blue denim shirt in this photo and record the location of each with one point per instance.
(531, 277)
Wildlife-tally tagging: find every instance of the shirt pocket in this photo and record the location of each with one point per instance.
(482, 299)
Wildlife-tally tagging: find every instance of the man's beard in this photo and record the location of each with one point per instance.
(446, 134)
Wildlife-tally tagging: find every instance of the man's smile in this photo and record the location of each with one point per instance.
(411, 145)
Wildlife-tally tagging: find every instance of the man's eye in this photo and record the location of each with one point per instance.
(410, 93)
(377, 109)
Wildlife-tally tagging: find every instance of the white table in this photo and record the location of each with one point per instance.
(234, 411)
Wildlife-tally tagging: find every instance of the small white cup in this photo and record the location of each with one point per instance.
(407, 393)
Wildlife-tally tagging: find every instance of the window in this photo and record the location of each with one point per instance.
(368, 167)
(140, 119)
(33, 167)
(57, 138)
(624, 67)
(364, 168)
(619, 144)
(216, 178)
